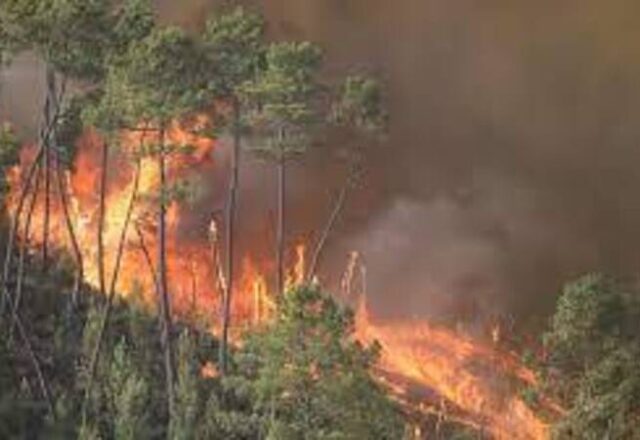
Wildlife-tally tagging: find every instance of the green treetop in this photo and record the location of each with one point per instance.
(593, 360)
(286, 97)
(235, 45)
(75, 37)
(312, 379)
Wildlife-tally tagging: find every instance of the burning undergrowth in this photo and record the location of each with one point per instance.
(425, 366)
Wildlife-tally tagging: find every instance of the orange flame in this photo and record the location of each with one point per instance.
(470, 375)
(474, 377)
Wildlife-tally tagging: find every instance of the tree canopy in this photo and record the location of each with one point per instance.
(593, 359)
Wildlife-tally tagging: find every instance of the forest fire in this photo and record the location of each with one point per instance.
(475, 378)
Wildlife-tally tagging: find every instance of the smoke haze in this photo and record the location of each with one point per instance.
(512, 159)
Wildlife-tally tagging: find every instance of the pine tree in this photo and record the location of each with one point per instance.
(161, 78)
(235, 44)
(286, 97)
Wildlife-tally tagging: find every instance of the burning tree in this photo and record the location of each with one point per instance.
(75, 39)
(359, 109)
(161, 78)
(304, 372)
(235, 44)
(285, 97)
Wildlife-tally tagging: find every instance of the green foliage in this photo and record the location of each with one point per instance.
(187, 389)
(9, 148)
(12, 400)
(234, 42)
(161, 77)
(284, 98)
(593, 315)
(594, 357)
(361, 105)
(75, 36)
(129, 393)
(311, 379)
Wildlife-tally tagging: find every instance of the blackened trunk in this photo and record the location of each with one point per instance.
(24, 246)
(64, 203)
(123, 234)
(13, 231)
(280, 238)
(163, 282)
(101, 218)
(315, 260)
(230, 235)
(51, 108)
(106, 312)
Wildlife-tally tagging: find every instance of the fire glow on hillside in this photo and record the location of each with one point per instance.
(472, 376)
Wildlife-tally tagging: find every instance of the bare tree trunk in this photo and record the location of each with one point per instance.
(147, 257)
(231, 215)
(24, 245)
(26, 187)
(315, 259)
(163, 281)
(15, 225)
(101, 219)
(108, 307)
(123, 234)
(64, 203)
(280, 239)
(51, 106)
(42, 382)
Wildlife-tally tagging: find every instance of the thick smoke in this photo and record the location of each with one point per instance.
(512, 159)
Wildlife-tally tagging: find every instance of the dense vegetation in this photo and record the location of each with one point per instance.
(302, 376)
(593, 359)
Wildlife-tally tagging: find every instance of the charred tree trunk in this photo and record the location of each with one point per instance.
(163, 281)
(147, 256)
(51, 107)
(24, 192)
(64, 203)
(24, 246)
(315, 259)
(280, 238)
(123, 234)
(15, 225)
(101, 218)
(230, 235)
(108, 307)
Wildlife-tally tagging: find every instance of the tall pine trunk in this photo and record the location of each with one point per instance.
(51, 108)
(16, 217)
(280, 238)
(108, 307)
(24, 248)
(64, 203)
(101, 218)
(51, 113)
(230, 235)
(163, 281)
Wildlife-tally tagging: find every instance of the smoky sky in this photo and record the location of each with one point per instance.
(512, 159)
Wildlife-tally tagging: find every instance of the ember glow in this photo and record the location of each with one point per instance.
(474, 377)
